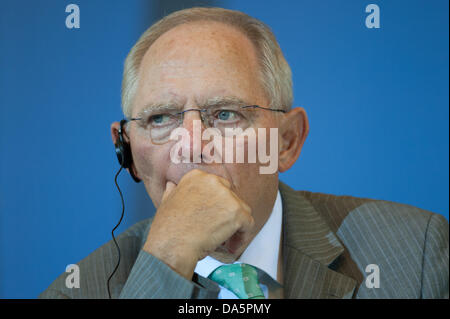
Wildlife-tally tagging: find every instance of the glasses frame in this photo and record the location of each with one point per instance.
(205, 110)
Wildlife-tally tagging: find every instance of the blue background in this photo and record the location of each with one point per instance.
(377, 101)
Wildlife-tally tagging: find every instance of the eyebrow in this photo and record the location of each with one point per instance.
(161, 106)
(216, 101)
(222, 101)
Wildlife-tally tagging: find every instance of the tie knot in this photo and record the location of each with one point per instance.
(241, 279)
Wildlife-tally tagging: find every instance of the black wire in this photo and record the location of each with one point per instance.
(112, 232)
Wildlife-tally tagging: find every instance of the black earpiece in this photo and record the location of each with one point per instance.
(123, 152)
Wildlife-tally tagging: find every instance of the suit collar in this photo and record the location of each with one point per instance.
(310, 252)
(305, 230)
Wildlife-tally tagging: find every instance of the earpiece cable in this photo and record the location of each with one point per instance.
(112, 232)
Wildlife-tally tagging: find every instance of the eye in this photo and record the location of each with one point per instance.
(159, 119)
(226, 115)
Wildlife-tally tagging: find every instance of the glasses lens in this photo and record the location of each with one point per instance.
(157, 125)
(229, 118)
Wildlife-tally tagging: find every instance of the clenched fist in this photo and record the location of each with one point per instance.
(196, 217)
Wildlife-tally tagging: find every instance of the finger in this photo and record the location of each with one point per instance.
(247, 224)
(244, 205)
(224, 182)
(170, 186)
(241, 237)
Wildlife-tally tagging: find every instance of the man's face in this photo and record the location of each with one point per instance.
(188, 66)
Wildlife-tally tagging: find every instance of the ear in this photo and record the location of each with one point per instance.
(115, 132)
(115, 126)
(294, 128)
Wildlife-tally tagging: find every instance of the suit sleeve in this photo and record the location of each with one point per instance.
(52, 294)
(436, 259)
(151, 278)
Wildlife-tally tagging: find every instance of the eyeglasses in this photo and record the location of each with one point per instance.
(159, 124)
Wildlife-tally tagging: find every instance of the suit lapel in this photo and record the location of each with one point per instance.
(310, 252)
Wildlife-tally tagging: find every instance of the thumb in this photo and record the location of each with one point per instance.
(170, 186)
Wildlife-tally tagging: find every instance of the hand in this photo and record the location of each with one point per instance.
(195, 217)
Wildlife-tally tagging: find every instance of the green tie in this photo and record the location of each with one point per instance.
(241, 279)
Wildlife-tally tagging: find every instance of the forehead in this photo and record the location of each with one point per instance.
(199, 61)
(200, 39)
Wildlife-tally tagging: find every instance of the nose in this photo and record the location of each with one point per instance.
(190, 117)
(192, 122)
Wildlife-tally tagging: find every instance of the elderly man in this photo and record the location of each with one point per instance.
(225, 229)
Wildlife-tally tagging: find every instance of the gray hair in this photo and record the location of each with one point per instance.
(275, 73)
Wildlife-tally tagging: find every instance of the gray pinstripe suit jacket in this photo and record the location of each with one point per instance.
(327, 243)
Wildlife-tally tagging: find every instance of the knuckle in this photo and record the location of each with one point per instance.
(223, 181)
(251, 222)
(195, 172)
(192, 177)
(238, 224)
(217, 180)
(246, 208)
(234, 206)
(211, 178)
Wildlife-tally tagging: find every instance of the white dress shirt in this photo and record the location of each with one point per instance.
(262, 252)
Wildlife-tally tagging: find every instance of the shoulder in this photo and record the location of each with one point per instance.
(95, 269)
(350, 211)
(375, 219)
(401, 240)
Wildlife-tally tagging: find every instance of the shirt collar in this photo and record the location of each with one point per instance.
(267, 240)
